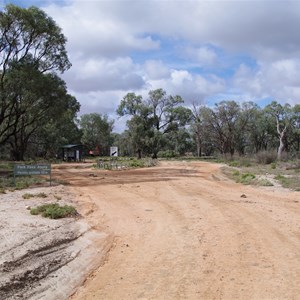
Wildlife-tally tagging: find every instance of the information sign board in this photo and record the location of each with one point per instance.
(44, 169)
(37, 169)
(114, 151)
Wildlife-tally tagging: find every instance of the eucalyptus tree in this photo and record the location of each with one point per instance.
(197, 127)
(139, 125)
(153, 118)
(258, 131)
(97, 132)
(283, 118)
(41, 99)
(245, 127)
(180, 141)
(30, 42)
(61, 128)
(295, 135)
(222, 124)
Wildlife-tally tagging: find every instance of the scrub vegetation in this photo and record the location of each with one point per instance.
(54, 211)
(285, 173)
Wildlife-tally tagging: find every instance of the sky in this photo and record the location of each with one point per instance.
(205, 51)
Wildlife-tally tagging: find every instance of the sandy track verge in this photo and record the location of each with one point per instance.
(42, 258)
(183, 231)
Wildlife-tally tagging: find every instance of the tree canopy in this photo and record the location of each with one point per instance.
(32, 50)
(97, 132)
(152, 119)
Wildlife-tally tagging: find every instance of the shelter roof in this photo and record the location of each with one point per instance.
(71, 146)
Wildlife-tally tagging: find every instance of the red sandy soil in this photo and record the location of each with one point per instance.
(180, 230)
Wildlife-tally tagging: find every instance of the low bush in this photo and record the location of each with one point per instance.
(167, 154)
(21, 185)
(27, 196)
(247, 178)
(233, 163)
(244, 178)
(39, 195)
(54, 211)
(266, 157)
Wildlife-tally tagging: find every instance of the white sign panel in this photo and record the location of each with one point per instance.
(113, 151)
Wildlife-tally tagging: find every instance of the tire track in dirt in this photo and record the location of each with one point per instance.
(184, 232)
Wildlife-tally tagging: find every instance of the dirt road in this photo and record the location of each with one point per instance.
(182, 231)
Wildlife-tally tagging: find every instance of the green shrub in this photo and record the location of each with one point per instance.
(248, 175)
(54, 211)
(21, 185)
(236, 173)
(27, 196)
(279, 177)
(167, 154)
(233, 163)
(247, 178)
(41, 195)
(136, 163)
(34, 211)
(26, 182)
(244, 178)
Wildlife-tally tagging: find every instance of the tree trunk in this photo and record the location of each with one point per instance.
(154, 156)
(280, 148)
(139, 154)
(199, 150)
(198, 143)
(17, 155)
(281, 139)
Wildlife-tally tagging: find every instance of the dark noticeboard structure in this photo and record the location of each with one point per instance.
(72, 152)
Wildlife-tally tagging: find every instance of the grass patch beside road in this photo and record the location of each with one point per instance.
(290, 182)
(247, 171)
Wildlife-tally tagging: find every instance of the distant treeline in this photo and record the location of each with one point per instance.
(38, 116)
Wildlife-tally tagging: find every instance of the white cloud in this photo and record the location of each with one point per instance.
(190, 86)
(155, 69)
(278, 80)
(247, 80)
(104, 75)
(92, 30)
(203, 56)
(122, 46)
(99, 102)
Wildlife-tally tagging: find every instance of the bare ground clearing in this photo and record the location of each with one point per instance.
(182, 231)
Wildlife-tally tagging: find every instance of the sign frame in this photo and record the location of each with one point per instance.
(32, 169)
(114, 151)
